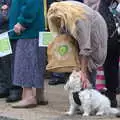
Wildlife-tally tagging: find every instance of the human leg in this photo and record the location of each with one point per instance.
(40, 97)
(40, 93)
(4, 76)
(92, 78)
(118, 89)
(31, 72)
(111, 68)
(28, 99)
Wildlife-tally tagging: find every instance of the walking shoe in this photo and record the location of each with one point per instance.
(14, 95)
(4, 92)
(56, 81)
(45, 102)
(27, 103)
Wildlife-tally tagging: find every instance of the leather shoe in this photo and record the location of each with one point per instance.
(56, 81)
(14, 95)
(42, 102)
(26, 103)
(4, 92)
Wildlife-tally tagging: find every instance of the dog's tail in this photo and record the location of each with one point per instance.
(114, 111)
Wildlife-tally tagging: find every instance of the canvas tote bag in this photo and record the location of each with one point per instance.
(62, 54)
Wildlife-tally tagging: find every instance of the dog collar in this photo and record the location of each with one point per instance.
(76, 96)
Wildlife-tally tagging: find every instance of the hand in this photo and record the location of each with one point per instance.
(84, 79)
(4, 7)
(18, 28)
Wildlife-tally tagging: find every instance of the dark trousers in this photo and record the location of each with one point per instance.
(13, 45)
(5, 76)
(5, 67)
(7, 70)
(92, 78)
(111, 67)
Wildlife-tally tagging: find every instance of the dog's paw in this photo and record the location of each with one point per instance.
(68, 113)
(85, 114)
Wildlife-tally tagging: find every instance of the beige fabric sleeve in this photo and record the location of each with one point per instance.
(82, 35)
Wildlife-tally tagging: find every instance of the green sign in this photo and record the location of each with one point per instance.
(45, 38)
(5, 47)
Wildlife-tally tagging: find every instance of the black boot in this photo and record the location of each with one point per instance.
(112, 98)
(4, 92)
(14, 94)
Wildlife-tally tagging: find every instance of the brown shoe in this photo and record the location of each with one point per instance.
(27, 103)
(45, 102)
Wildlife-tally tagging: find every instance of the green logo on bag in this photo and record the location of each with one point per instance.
(63, 50)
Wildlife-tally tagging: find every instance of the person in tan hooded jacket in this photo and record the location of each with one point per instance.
(87, 27)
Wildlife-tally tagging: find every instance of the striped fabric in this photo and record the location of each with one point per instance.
(100, 79)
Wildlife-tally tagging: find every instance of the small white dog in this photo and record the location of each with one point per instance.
(90, 99)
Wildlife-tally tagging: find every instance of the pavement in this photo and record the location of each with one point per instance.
(58, 104)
